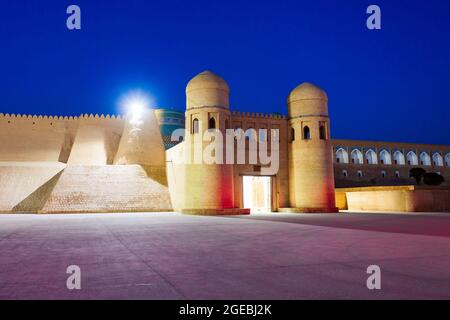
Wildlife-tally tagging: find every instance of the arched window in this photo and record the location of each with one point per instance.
(195, 126)
(357, 157)
(385, 157)
(425, 159)
(371, 157)
(341, 156)
(383, 174)
(306, 133)
(322, 133)
(438, 161)
(212, 123)
(397, 174)
(447, 159)
(360, 174)
(344, 173)
(399, 158)
(411, 157)
(292, 134)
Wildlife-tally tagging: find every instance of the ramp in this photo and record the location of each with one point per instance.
(19, 180)
(108, 188)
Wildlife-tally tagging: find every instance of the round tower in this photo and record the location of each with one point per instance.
(311, 178)
(208, 185)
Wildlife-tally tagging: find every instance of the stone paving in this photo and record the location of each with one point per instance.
(263, 256)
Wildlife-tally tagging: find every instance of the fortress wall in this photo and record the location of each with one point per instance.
(394, 198)
(96, 140)
(107, 188)
(35, 178)
(86, 139)
(18, 180)
(35, 138)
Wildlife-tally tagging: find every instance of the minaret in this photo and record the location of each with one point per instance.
(208, 187)
(311, 178)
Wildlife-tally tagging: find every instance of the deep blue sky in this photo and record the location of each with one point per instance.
(390, 85)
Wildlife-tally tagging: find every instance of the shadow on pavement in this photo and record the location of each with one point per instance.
(431, 224)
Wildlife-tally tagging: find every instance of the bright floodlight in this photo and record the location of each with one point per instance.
(135, 103)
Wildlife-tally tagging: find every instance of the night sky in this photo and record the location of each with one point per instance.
(388, 85)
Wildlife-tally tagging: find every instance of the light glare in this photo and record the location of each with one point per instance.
(135, 103)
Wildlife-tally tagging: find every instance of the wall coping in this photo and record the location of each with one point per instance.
(82, 116)
(392, 188)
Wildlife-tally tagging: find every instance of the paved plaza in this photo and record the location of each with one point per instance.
(261, 256)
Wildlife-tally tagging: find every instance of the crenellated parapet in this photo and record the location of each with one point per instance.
(34, 117)
(258, 115)
(26, 137)
(108, 122)
(49, 119)
(102, 116)
(25, 121)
